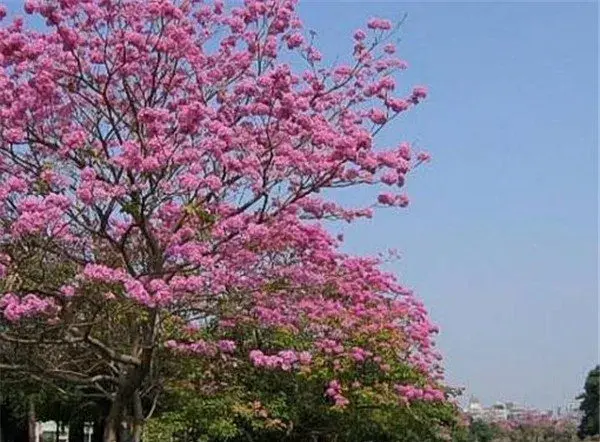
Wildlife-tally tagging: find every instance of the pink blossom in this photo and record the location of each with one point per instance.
(150, 164)
(387, 199)
(397, 105)
(379, 23)
(419, 92)
(213, 183)
(377, 116)
(390, 178)
(405, 151)
(102, 273)
(68, 291)
(305, 358)
(360, 35)
(295, 40)
(358, 354)
(16, 308)
(226, 346)
(423, 157)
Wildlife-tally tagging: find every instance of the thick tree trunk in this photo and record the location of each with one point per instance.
(138, 418)
(98, 430)
(114, 430)
(125, 398)
(112, 423)
(111, 432)
(21, 434)
(138, 429)
(3, 420)
(13, 430)
(31, 436)
(76, 430)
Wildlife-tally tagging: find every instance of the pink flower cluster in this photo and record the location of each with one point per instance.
(330, 346)
(284, 359)
(360, 354)
(202, 347)
(379, 23)
(390, 199)
(41, 215)
(334, 391)
(419, 93)
(4, 264)
(150, 292)
(413, 393)
(16, 308)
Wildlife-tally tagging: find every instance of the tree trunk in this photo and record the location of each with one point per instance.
(31, 436)
(138, 418)
(114, 429)
(112, 424)
(129, 385)
(3, 421)
(98, 430)
(76, 431)
(21, 434)
(124, 434)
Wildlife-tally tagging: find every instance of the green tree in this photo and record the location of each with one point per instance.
(481, 431)
(589, 405)
(207, 401)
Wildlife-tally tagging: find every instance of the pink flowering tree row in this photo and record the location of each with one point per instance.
(161, 192)
(540, 427)
(529, 426)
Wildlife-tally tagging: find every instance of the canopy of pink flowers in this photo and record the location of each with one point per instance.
(168, 152)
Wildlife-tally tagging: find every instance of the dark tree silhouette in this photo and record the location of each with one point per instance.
(589, 405)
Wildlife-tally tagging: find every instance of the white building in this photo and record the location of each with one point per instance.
(474, 408)
(500, 411)
(497, 412)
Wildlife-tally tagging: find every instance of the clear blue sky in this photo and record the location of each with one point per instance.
(500, 238)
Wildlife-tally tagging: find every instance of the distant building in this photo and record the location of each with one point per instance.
(516, 412)
(510, 411)
(500, 411)
(474, 408)
(570, 411)
(497, 412)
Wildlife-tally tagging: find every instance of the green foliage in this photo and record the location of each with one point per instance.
(481, 431)
(589, 405)
(228, 399)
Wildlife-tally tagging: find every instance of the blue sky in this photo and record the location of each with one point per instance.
(500, 238)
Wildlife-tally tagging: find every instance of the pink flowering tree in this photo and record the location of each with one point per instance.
(531, 426)
(323, 372)
(540, 427)
(161, 192)
(281, 395)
